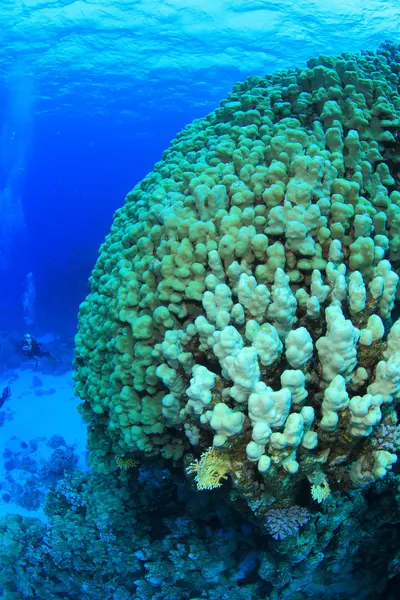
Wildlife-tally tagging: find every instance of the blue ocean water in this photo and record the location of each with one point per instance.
(91, 94)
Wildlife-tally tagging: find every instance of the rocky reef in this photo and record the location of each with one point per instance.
(145, 534)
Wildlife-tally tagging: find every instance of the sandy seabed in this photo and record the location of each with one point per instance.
(41, 406)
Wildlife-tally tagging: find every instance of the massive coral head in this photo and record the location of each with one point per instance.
(243, 300)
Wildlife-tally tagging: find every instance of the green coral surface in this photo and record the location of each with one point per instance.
(244, 297)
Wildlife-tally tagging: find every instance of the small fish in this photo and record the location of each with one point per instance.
(5, 395)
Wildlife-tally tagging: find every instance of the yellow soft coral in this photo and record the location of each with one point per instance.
(211, 469)
(320, 489)
(126, 463)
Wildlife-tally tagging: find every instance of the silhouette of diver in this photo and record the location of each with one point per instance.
(32, 349)
(5, 395)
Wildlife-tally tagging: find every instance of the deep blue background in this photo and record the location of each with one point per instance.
(77, 174)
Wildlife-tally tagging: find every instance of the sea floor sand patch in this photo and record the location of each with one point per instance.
(40, 407)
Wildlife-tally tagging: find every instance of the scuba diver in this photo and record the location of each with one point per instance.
(32, 349)
(5, 395)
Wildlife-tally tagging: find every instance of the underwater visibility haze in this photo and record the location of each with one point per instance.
(199, 308)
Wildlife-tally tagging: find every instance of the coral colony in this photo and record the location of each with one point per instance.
(241, 314)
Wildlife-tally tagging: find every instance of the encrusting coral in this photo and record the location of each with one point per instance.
(244, 298)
